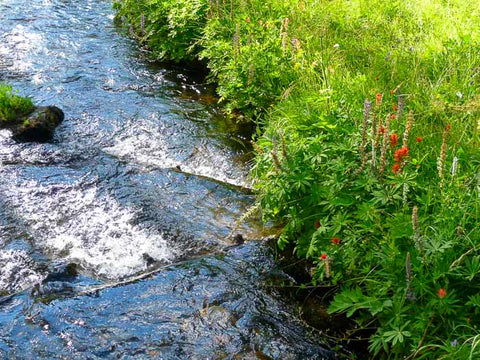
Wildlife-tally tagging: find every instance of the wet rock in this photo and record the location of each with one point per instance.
(149, 261)
(64, 273)
(50, 291)
(239, 240)
(39, 126)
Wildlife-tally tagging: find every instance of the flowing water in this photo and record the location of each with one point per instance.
(144, 177)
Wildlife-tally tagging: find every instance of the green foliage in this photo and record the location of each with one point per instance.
(12, 106)
(400, 241)
(352, 300)
(249, 64)
(170, 29)
(319, 190)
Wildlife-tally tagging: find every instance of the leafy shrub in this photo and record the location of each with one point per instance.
(170, 29)
(248, 62)
(315, 176)
(396, 242)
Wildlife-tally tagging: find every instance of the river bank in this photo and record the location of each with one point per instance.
(366, 147)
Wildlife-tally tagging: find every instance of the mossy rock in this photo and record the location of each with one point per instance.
(38, 126)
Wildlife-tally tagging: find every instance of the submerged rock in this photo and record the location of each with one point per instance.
(39, 126)
(149, 261)
(239, 240)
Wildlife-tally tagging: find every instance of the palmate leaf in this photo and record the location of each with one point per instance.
(472, 268)
(397, 335)
(474, 301)
(351, 300)
(437, 245)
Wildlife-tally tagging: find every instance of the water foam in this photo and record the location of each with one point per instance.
(153, 147)
(82, 226)
(18, 271)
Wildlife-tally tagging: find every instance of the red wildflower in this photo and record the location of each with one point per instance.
(392, 91)
(393, 140)
(419, 139)
(381, 130)
(447, 129)
(396, 168)
(442, 293)
(394, 107)
(323, 256)
(318, 224)
(335, 241)
(247, 19)
(378, 99)
(393, 116)
(400, 154)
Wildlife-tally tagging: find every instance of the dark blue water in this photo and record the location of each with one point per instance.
(141, 186)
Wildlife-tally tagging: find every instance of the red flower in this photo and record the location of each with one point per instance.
(447, 129)
(378, 99)
(318, 224)
(247, 19)
(393, 116)
(392, 91)
(400, 154)
(442, 293)
(396, 168)
(335, 241)
(323, 256)
(394, 107)
(381, 130)
(393, 139)
(419, 139)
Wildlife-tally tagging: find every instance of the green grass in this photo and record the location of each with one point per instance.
(303, 70)
(12, 106)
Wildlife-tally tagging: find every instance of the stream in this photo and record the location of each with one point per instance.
(140, 187)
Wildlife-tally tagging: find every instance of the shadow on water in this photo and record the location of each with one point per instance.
(144, 180)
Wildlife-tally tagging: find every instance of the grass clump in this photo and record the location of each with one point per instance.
(12, 106)
(367, 149)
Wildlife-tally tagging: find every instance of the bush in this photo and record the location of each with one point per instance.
(170, 29)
